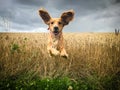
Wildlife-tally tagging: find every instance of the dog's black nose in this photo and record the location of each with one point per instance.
(56, 29)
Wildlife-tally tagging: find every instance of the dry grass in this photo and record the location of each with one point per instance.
(89, 54)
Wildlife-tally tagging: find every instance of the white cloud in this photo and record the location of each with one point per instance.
(39, 30)
(32, 30)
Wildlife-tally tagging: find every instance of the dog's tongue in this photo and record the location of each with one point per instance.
(56, 33)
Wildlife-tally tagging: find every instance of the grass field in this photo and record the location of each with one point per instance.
(94, 59)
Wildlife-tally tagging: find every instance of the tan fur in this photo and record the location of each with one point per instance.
(56, 40)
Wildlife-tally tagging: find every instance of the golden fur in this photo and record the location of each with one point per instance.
(56, 41)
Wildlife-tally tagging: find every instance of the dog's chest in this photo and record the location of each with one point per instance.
(55, 43)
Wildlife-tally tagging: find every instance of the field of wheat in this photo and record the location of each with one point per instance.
(91, 55)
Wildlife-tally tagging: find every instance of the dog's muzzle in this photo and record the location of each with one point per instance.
(56, 30)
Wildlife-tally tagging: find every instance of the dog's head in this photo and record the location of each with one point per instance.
(56, 24)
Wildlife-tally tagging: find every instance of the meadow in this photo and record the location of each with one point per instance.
(93, 63)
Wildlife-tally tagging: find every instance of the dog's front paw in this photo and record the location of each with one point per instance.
(65, 55)
(55, 52)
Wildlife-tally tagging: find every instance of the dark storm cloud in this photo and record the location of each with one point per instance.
(117, 1)
(5, 8)
(82, 7)
(21, 15)
(31, 2)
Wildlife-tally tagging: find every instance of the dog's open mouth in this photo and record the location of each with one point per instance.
(56, 33)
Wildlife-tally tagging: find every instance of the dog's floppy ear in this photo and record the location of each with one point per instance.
(67, 16)
(45, 15)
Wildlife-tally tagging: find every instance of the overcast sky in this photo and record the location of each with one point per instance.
(90, 15)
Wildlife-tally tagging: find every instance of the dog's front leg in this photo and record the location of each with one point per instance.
(55, 52)
(49, 50)
(63, 53)
(52, 51)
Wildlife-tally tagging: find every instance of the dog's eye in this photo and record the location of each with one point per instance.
(52, 22)
(59, 23)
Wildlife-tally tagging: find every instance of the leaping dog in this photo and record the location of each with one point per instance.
(56, 41)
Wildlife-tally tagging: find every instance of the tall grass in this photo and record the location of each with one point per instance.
(93, 57)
